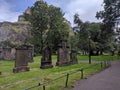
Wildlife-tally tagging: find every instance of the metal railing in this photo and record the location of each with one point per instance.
(103, 65)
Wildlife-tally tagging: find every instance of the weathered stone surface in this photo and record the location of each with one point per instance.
(7, 53)
(46, 60)
(21, 62)
(12, 34)
(30, 53)
(63, 55)
(73, 57)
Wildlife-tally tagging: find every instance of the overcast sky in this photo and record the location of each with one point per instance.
(11, 9)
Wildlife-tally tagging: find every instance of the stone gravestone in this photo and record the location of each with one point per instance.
(46, 60)
(21, 59)
(63, 55)
(30, 53)
(73, 57)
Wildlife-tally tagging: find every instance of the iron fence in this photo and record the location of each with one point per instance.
(103, 65)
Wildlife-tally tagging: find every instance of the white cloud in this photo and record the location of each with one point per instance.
(85, 8)
(6, 13)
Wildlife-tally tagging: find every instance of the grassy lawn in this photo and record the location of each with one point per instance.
(20, 81)
(100, 58)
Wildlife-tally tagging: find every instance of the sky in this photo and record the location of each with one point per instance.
(11, 9)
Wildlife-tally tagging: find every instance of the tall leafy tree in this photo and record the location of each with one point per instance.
(109, 16)
(39, 21)
(59, 28)
(47, 25)
(86, 29)
(81, 32)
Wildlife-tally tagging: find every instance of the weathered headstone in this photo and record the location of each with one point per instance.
(73, 57)
(30, 53)
(63, 55)
(21, 59)
(46, 60)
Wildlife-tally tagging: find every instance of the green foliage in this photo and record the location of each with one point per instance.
(73, 40)
(47, 25)
(84, 30)
(109, 16)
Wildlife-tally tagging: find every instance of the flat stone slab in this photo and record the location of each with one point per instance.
(108, 79)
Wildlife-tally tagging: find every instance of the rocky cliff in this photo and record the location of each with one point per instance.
(13, 33)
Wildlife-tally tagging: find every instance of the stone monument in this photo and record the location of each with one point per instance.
(63, 55)
(46, 60)
(30, 53)
(21, 59)
(73, 57)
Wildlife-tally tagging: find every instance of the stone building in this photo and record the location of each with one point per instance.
(21, 17)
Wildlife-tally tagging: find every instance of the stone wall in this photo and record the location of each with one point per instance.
(7, 53)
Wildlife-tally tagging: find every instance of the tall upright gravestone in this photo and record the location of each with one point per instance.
(21, 59)
(46, 60)
(30, 53)
(73, 57)
(63, 55)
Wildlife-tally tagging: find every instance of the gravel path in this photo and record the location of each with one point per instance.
(108, 79)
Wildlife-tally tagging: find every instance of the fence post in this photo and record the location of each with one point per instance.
(82, 73)
(67, 80)
(43, 87)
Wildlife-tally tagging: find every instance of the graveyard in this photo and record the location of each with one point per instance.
(56, 45)
(22, 80)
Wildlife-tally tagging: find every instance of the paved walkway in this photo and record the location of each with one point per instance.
(108, 79)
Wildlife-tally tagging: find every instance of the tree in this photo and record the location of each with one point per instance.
(86, 29)
(109, 16)
(58, 27)
(82, 33)
(39, 21)
(47, 25)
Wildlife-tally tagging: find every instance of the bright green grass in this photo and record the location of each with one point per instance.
(20, 81)
(100, 58)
